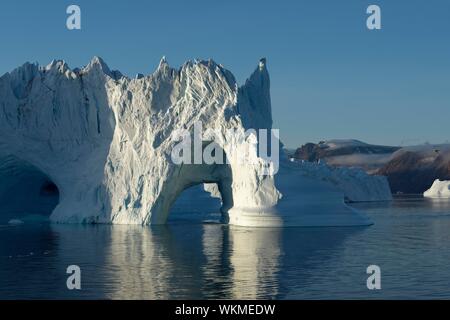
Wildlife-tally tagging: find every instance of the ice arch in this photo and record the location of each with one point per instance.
(195, 205)
(25, 190)
(105, 140)
(192, 175)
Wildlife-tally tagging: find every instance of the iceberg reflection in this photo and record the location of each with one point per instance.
(197, 261)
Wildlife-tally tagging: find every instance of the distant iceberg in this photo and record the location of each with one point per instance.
(439, 189)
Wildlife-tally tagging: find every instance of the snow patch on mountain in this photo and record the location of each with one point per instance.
(341, 143)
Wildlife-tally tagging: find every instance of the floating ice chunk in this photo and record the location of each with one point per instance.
(439, 189)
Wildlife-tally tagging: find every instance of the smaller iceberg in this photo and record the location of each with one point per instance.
(439, 189)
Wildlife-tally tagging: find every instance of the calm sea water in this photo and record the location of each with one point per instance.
(410, 241)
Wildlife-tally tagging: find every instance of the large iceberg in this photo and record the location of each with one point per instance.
(439, 189)
(105, 141)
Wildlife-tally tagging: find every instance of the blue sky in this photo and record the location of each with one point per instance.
(331, 76)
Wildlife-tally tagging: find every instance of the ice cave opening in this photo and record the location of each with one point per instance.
(26, 193)
(195, 205)
(201, 192)
(208, 197)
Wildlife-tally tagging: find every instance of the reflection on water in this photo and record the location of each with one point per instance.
(410, 241)
(165, 262)
(255, 259)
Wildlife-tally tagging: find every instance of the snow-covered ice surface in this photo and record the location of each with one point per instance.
(439, 189)
(355, 183)
(105, 141)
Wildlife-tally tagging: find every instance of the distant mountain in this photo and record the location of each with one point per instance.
(409, 170)
(346, 153)
(413, 170)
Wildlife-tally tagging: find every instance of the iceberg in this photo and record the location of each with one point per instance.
(105, 141)
(439, 189)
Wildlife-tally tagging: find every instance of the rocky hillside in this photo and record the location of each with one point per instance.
(346, 153)
(414, 170)
(410, 170)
